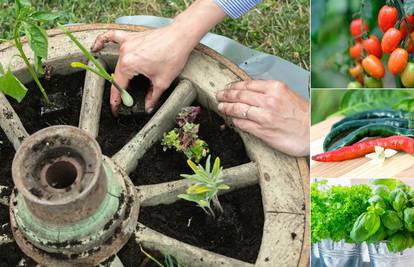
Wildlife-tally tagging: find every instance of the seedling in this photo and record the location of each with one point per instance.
(205, 185)
(100, 70)
(185, 137)
(169, 260)
(27, 21)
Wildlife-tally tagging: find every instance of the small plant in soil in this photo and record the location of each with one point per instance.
(185, 137)
(168, 262)
(100, 70)
(205, 185)
(29, 22)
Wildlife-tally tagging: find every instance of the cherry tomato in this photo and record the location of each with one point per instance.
(354, 85)
(391, 40)
(387, 17)
(356, 50)
(373, 66)
(397, 61)
(372, 46)
(356, 28)
(408, 45)
(372, 82)
(356, 70)
(403, 27)
(407, 76)
(360, 78)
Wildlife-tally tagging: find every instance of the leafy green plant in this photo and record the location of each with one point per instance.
(205, 185)
(27, 21)
(334, 210)
(168, 262)
(100, 70)
(185, 137)
(389, 217)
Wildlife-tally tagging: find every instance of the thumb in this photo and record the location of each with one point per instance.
(152, 97)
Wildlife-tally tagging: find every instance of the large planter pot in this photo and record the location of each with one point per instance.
(380, 256)
(339, 254)
(283, 180)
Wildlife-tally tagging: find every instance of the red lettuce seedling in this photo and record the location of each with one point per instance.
(185, 137)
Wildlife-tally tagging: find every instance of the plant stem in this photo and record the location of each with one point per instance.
(217, 204)
(407, 25)
(117, 86)
(32, 71)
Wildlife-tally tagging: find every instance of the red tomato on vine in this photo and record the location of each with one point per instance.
(391, 39)
(373, 66)
(398, 61)
(387, 17)
(403, 26)
(355, 51)
(356, 28)
(408, 44)
(372, 46)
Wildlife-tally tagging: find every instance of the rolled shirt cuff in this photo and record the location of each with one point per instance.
(236, 8)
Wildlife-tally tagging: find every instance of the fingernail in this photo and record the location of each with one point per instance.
(150, 110)
(220, 106)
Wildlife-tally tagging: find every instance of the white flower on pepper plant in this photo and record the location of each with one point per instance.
(380, 154)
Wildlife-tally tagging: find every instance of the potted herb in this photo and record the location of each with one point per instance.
(387, 225)
(333, 211)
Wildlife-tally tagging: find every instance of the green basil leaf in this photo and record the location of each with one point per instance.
(400, 200)
(405, 188)
(409, 219)
(377, 202)
(37, 39)
(390, 183)
(365, 226)
(382, 191)
(379, 235)
(391, 220)
(372, 223)
(397, 242)
(12, 87)
(44, 16)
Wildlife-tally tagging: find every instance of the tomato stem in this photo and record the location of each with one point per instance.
(407, 25)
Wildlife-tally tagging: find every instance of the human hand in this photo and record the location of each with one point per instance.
(158, 54)
(270, 111)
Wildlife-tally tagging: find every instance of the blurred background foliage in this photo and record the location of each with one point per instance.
(277, 27)
(331, 38)
(331, 102)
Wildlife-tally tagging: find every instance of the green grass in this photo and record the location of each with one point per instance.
(277, 27)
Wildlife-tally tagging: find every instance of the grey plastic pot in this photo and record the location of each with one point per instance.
(339, 254)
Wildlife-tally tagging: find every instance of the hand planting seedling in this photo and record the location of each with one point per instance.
(29, 22)
(185, 137)
(205, 185)
(100, 71)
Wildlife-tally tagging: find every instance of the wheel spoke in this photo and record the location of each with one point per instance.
(93, 91)
(127, 158)
(166, 193)
(5, 199)
(186, 254)
(10, 123)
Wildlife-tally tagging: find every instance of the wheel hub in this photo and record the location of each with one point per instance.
(71, 205)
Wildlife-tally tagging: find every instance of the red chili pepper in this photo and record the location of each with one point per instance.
(399, 143)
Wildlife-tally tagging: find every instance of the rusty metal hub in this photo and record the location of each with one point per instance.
(71, 206)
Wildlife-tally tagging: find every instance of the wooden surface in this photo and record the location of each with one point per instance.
(398, 166)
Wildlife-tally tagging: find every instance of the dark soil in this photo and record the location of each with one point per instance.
(237, 235)
(158, 166)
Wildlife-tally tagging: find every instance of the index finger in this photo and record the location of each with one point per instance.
(122, 79)
(259, 86)
(106, 37)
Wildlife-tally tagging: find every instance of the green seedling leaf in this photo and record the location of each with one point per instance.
(12, 87)
(198, 189)
(44, 16)
(86, 67)
(150, 257)
(37, 38)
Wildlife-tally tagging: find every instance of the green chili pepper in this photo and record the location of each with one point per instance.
(349, 126)
(376, 114)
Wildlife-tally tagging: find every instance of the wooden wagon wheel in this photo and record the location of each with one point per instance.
(283, 179)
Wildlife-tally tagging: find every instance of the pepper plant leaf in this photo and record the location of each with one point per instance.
(44, 16)
(12, 87)
(37, 38)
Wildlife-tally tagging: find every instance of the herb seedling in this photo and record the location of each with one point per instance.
(185, 137)
(169, 260)
(205, 185)
(100, 71)
(29, 22)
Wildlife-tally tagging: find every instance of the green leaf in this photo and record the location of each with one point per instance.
(216, 167)
(397, 242)
(44, 16)
(391, 220)
(409, 219)
(38, 65)
(21, 4)
(223, 187)
(409, 7)
(12, 87)
(86, 67)
(1, 69)
(37, 39)
(406, 105)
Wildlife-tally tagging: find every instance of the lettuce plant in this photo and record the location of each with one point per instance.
(100, 70)
(29, 22)
(205, 184)
(185, 137)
